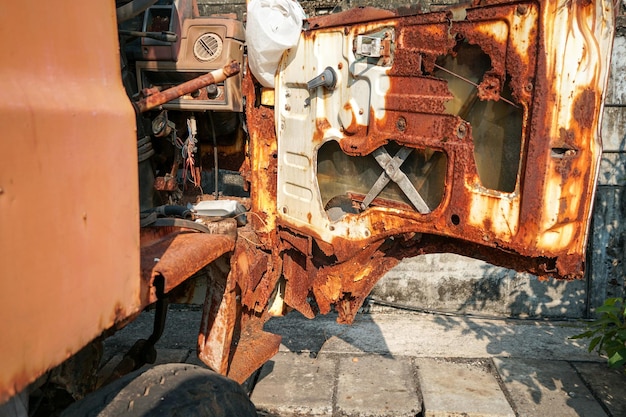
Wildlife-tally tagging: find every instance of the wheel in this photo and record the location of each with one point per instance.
(173, 389)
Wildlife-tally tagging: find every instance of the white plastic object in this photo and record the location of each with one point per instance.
(216, 208)
(273, 27)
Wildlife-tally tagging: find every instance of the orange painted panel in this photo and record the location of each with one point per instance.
(69, 224)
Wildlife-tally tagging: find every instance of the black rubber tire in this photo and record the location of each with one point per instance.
(173, 389)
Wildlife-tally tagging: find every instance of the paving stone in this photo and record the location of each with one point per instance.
(607, 384)
(546, 388)
(296, 385)
(455, 388)
(374, 385)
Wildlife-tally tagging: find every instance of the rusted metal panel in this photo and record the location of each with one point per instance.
(253, 349)
(176, 255)
(69, 223)
(441, 84)
(546, 64)
(219, 319)
(231, 340)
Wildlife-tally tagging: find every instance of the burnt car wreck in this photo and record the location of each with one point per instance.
(473, 129)
(444, 131)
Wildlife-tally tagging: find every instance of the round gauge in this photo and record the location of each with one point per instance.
(208, 47)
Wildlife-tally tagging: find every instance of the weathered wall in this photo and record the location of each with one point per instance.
(608, 252)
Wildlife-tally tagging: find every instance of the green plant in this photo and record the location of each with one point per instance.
(608, 332)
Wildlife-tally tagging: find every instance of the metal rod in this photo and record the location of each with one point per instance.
(216, 76)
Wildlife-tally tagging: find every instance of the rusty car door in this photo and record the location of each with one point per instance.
(474, 130)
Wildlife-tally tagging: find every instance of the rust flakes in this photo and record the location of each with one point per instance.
(417, 95)
(420, 44)
(568, 265)
(357, 277)
(490, 87)
(350, 17)
(494, 49)
(251, 265)
(179, 255)
(251, 348)
(431, 38)
(295, 240)
(585, 108)
(321, 125)
(378, 226)
(299, 273)
(327, 291)
(326, 248)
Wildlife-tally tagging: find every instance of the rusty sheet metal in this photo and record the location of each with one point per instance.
(69, 223)
(176, 255)
(231, 340)
(219, 320)
(548, 61)
(552, 60)
(254, 348)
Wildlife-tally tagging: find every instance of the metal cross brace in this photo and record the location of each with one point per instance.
(392, 172)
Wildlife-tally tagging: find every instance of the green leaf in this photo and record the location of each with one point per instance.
(585, 335)
(607, 309)
(594, 342)
(607, 320)
(618, 359)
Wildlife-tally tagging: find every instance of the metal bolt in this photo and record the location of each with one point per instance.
(528, 87)
(461, 131)
(401, 124)
(340, 65)
(361, 111)
(522, 9)
(287, 107)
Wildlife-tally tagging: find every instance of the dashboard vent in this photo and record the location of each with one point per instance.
(208, 47)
